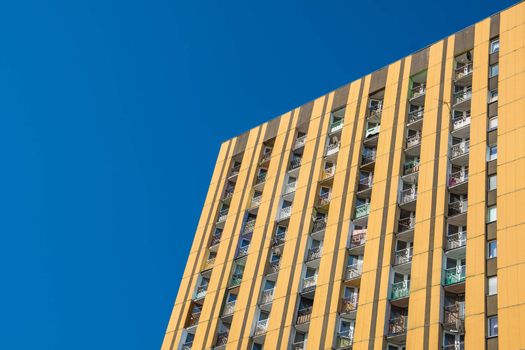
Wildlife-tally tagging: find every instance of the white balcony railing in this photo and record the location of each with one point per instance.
(456, 240)
(418, 90)
(300, 142)
(309, 282)
(256, 201)
(223, 214)
(413, 140)
(285, 213)
(402, 256)
(336, 125)
(332, 148)
(261, 326)
(408, 195)
(458, 177)
(463, 95)
(460, 121)
(229, 308)
(267, 296)
(415, 115)
(353, 271)
(290, 187)
(463, 71)
(459, 149)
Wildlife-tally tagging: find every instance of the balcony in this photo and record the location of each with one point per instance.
(222, 340)
(454, 275)
(201, 292)
(403, 256)
(228, 194)
(187, 345)
(400, 290)
(193, 320)
(459, 153)
(300, 345)
(309, 284)
(267, 296)
(372, 131)
(249, 226)
(234, 171)
(208, 264)
(265, 158)
(460, 125)
(261, 327)
(417, 94)
(223, 214)
(332, 148)
(284, 213)
(313, 255)
(357, 241)
(304, 315)
(397, 326)
(361, 214)
(256, 201)
(415, 119)
(336, 126)
(364, 187)
(324, 199)
(405, 228)
(457, 181)
(229, 308)
(290, 188)
(261, 178)
(328, 173)
(273, 270)
(299, 142)
(413, 144)
(279, 239)
(353, 271)
(463, 73)
(368, 159)
(295, 163)
(374, 113)
(462, 99)
(349, 305)
(454, 317)
(242, 251)
(456, 346)
(318, 227)
(457, 213)
(456, 241)
(407, 198)
(215, 240)
(236, 280)
(345, 340)
(411, 171)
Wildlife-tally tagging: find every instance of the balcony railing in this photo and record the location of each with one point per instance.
(400, 290)
(413, 140)
(300, 345)
(303, 315)
(353, 271)
(266, 157)
(256, 201)
(365, 183)
(295, 163)
(397, 326)
(313, 253)
(411, 167)
(459, 149)
(463, 95)
(460, 121)
(290, 187)
(222, 339)
(454, 275)
(345, 339)
(261, 326)
(309, 283)
(229, 308)
(457, 207)
(243, 251)
(319, 224)
(332, 148)
(407, 224)
(249, 226)
(235, 170)
(228, 194)
(349, 304)
(368, 157)
(402, 256)
(300, 142)
(418, 90)
(208, 264)
(201, 292)
(408, 195)
(187, 345)
(285, 213)
(415, 116)
(458, 177)
(328, 173)
(454, 315)
(324, 198)
(457, 240)
(279, 239)
(372, 131)
(194, 319)
(236, 280)
(223, 214)
(216, 239)
(463, 71)
(267, 296)
(336, 125)
(455, 346)
(362, 210)
(358, 238)
(274, 266)
(375, 112)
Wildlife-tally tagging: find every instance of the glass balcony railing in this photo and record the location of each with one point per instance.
(201, 292)
(456, 240)
(372, 131)
(457, 207)
(415, 116)
(332, 148)
(236, 280)
(397, 326)
(216, 239)
(413, 140)
(228, 194)
(463, 71)
(300, 142)
(208, 264)
(274, 266)
(454, 315)
(290, 187)
(256, 201)
(358, 238)
(368, 157)
(375, 112)
(362, 210)
(266, 157)
(243, 251)
(402, 256)
(353, 271)
(365, 183)
(461, 121)
(328, 173)
(336, 125)
(463, 95)
(309, 283)
(406, 224)
(408, 195)
(459, 149)
(454, 275)
(229, 308)
(411, 167)
(267, 296)
(345, 339)
(457, 178)
(261, 327)
(304, 315)
(194, 319)
(400, 290)
(235, 170)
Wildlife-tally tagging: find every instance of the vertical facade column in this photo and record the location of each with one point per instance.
(511, 180)
(202, 234)
(477, 178)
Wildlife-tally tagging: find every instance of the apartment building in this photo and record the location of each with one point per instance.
(387, 214)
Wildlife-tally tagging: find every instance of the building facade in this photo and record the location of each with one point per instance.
(387, 214)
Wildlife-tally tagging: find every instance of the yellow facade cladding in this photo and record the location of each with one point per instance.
(421, 279)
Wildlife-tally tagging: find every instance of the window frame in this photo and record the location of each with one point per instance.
(489, 328)
(490, 155)
(492, 278)
(491, 128)
(489, 209)
(492, 249)
(489, 182)
(493, 96)
(494, 45)
(493, 67)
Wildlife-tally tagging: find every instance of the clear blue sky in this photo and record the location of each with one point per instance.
(112, 113)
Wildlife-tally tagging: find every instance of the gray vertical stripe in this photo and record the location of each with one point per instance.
(434, 198)
(373, 325)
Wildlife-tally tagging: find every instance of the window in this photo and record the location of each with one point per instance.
(493, 326)
(492, 249)
(493, 70)
(492, 182)
(492, 214)
(493, 95)
(494, 46)
(492, 152)
(493, 123)
(493, 285)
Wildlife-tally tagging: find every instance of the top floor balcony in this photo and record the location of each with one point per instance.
(299, 142)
